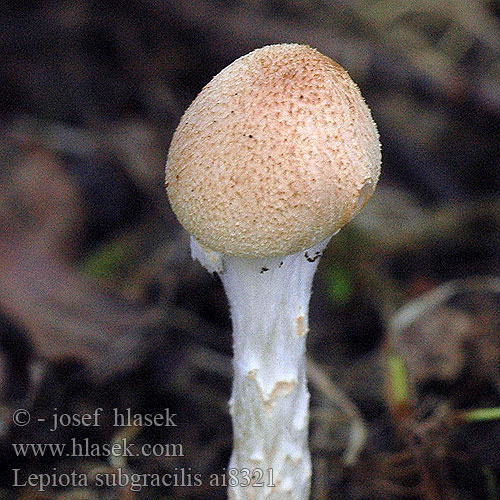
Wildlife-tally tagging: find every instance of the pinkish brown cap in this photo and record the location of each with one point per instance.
(274, 155)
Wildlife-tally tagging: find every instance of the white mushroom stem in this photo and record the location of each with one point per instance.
(269, 300)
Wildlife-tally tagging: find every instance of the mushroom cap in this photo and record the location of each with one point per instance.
(276, 153)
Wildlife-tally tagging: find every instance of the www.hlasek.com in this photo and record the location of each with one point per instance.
(86, 448)
(181, 477)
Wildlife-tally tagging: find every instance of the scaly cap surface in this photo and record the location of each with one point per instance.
(274, 155)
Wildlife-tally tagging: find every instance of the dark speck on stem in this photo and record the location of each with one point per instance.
(316, 256)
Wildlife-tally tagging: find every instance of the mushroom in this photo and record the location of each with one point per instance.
(269, 161)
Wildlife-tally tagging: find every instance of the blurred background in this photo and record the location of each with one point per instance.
(102, 307)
